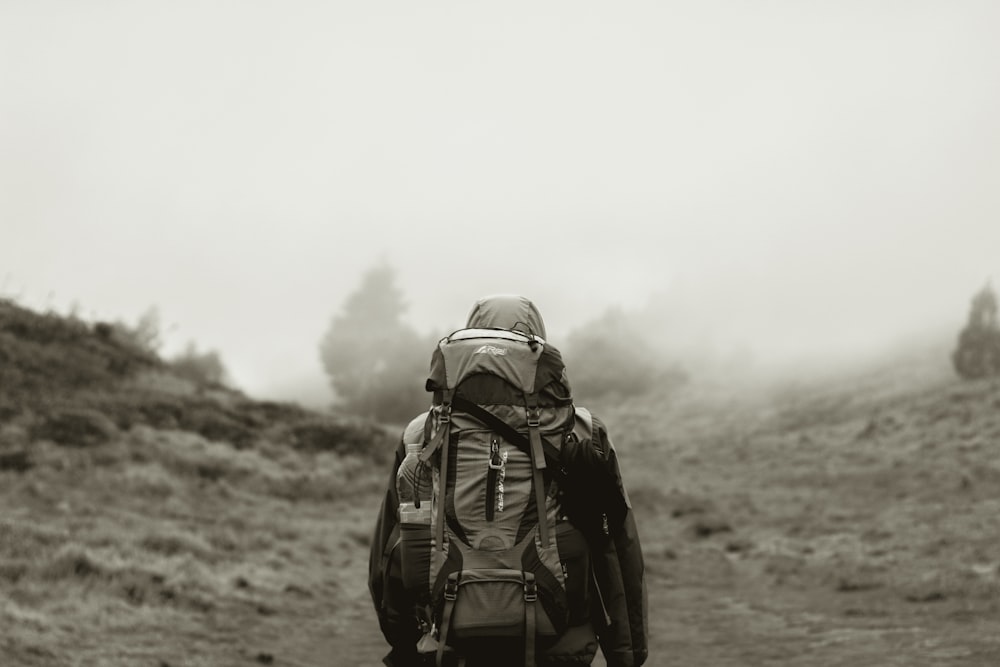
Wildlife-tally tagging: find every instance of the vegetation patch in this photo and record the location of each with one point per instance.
(75, 427)
(172, 543)
(17, 461)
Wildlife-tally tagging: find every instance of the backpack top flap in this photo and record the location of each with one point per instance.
(510, 355)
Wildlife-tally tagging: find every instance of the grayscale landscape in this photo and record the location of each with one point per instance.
(765, 238)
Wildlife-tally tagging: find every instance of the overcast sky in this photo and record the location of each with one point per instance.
(793, 168)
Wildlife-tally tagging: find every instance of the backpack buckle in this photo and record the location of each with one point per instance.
(444, 415)
(534, 417)
(530, 591)
(451, 589)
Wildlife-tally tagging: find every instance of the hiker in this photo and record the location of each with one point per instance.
(493, 581)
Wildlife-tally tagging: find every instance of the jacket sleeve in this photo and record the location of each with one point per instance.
(598, 494)
(625, 536)
(386, 532)
(392, 606)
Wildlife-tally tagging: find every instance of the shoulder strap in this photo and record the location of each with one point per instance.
(583, 425)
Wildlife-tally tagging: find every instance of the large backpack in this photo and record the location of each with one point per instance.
(506, 569)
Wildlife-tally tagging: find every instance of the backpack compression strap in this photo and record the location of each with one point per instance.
(537, 464)
(442, 440)
(506, 430)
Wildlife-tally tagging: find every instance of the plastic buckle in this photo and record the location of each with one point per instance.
(444, 416)
(530, 591)
(450, 590)
(534, 417)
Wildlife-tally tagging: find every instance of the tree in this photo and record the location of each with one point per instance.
(146, 331)
(143, 337)
(978, 351)
(377, 364)
(202, 368)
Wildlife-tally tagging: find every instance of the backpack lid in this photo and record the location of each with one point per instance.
(507, 318)
(510, 355)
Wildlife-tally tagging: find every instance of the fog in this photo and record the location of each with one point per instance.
(784, 180)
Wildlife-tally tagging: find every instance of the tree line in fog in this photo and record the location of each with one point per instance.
(377, 363)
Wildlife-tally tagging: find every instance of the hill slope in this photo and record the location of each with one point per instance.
(851, 522)
(147, 520)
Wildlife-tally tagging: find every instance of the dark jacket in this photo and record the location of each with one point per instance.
(599, 506)
(595, 501)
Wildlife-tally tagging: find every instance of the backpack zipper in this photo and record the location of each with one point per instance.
(495, 463)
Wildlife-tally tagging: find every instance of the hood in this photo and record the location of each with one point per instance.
(506, 311)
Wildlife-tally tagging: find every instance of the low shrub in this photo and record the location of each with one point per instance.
(173, 543)
(73, 561)
(706, 525)
(205, 369)
(17, 461)
(75, 427)
(213, 422)
(12, 571)
(323, 433)
(150, 480)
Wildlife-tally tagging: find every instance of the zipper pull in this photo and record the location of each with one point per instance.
(495, 461)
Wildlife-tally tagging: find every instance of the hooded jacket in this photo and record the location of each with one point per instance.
(600, 509)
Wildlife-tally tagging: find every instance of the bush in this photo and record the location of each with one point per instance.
(17, 461)
(377, 365)
(327, 433)
(203, 368)
(215, 423)
(172, 543)
(75, 427)
(978, 351)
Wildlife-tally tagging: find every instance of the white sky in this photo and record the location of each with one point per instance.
(786, 169)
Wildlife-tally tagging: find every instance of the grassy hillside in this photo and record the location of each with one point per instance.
(854, 522)
(147, 520)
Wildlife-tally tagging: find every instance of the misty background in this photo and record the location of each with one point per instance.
(772, 182)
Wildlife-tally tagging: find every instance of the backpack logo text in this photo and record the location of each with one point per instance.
(492, 349)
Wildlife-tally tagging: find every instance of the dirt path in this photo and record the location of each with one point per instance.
(750, 625)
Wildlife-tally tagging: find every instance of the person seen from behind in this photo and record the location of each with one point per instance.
(506, 536)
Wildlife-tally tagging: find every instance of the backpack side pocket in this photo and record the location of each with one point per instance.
(574, 555)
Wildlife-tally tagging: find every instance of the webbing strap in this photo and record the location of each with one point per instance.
(449, 607)
(533, 415)
(443, 413)
(450, 595)
(506, 430)
(537, 452)
(530, 596)
(443, 491)
(537, 465)
(543, 514)
(442, 441)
